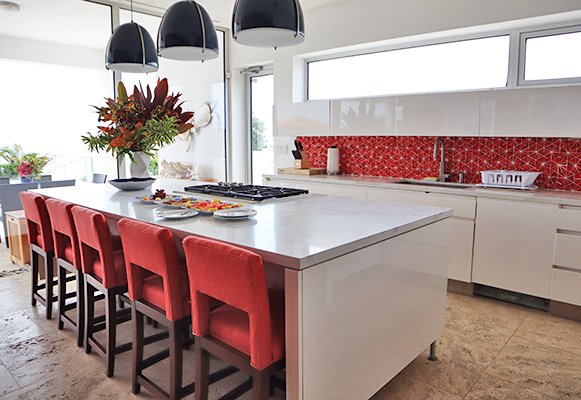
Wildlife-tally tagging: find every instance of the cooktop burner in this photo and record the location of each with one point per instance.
(246, 192)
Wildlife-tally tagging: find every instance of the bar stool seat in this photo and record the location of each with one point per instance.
(119, 266)
(152, 290)
(41, 246)
(231, 326)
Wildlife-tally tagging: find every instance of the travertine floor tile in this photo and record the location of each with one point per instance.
(7, 383)
(16, 327)
(488, 388)
(543, 369)
(443, 375)
(403, 387)
(552, 331)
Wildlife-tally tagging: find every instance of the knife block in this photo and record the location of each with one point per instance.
(304, 162)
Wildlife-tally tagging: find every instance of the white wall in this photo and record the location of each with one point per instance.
(356, 24)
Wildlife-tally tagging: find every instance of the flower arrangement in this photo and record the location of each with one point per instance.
(140, 122)
(26, 165)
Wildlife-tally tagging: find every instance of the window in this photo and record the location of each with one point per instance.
(462, 65)
(262, 140)
(551, 55)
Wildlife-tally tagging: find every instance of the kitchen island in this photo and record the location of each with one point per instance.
(364, 281)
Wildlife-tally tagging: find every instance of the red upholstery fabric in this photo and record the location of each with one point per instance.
(37, 220)
(236, 277)
(64, 233)
(119, 268)
(230, 325)
(153, 292)
(151, 250)
(96, 248)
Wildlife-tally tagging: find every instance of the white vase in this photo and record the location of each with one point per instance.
(138, 167)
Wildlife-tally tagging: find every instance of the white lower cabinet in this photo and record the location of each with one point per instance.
(461, 224)
(513, 245)
(566, 286)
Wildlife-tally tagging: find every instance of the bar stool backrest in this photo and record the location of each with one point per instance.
(95, 245)
(37, 220)
(151, 249)
(64, 232)
(236, 277)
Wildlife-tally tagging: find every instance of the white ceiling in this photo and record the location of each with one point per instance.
(81, 23)
(221, 10)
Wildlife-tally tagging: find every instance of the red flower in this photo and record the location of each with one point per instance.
(24, 169)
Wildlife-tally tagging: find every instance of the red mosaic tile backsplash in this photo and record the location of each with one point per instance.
(558, 160)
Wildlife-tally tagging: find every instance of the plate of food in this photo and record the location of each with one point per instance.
(174, 201)
(152, 198)
(235, 213)
(208, 207)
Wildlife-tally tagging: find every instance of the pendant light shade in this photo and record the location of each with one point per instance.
(131, 49)
(187, 33)
(268, 23)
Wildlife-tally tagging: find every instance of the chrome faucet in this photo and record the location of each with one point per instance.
(442, 175)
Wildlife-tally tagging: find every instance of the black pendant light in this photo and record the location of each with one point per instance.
(187, 33)
(131, 49)
(268, 23)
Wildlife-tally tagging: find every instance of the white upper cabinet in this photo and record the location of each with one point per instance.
(445, 114)
(363, 117)
(302, 119)
(549, 112)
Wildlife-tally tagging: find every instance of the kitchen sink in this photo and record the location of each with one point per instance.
(454, 185)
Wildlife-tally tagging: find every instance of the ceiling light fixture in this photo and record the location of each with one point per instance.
(131, 49)
(9, 6)
(187, 33)
(268, 23)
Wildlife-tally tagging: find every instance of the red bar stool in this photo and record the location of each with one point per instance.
(248, 330)
(66, 248)
(41, 245)
(158, 288)
(104, 269)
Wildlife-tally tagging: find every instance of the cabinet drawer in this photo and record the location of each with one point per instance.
(464, 207)
(568, 251)
(565, 286)
(569, 219)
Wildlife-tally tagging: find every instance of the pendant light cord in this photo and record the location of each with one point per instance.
(131, 10)
(203, 28)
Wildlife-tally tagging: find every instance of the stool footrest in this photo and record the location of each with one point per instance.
(148, 362)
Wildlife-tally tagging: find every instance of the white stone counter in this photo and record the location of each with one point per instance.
(296, 232)
(540, 196)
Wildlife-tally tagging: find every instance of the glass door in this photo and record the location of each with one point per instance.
(261, 127)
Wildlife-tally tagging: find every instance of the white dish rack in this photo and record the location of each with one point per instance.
(509, 179)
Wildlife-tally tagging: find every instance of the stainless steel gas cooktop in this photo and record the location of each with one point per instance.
(245, 192)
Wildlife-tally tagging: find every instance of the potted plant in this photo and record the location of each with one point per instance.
(28, 166)
(138, 125)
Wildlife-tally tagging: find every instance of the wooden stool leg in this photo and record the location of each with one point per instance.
(34, 264)
(49, 281)
(62, 291)
(137, 349)
(89, 314)
(202, 362)
(80, 308)
(175, 358)
(260, 384)
(111, 329)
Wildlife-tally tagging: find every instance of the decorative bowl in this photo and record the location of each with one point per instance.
(132, 183)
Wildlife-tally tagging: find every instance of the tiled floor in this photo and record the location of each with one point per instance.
(490, 351)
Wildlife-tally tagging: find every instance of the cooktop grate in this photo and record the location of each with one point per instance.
(246, 192)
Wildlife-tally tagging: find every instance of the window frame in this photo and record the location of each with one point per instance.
(531, 34)
(516, 57)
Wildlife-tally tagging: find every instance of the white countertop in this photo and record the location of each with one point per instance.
(296, 232)
(540, 196)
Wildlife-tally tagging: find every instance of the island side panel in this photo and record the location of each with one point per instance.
(368, 314)
(293, 333)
